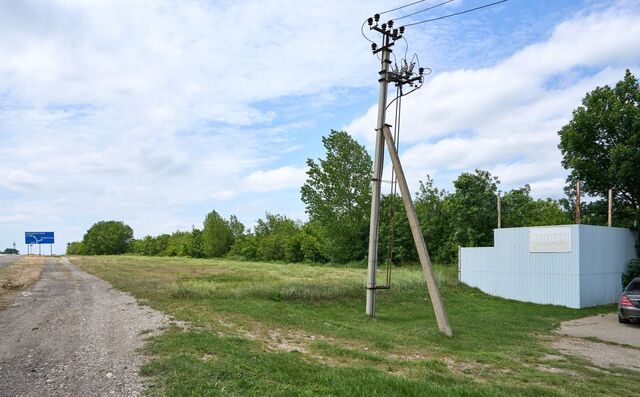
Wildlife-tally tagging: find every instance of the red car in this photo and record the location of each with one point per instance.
(629, 303)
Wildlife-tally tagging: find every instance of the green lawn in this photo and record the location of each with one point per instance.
(261, 329)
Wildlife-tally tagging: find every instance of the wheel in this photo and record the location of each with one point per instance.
(623, 320)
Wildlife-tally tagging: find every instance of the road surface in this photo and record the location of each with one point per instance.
(6, 260)
(604, 327)
(71, 334)
(622, 349)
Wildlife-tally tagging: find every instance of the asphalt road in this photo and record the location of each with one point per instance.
(6, 260)
(72, 334)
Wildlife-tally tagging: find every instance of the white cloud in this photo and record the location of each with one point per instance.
(141, 110)
(276, 179)
(505, 117)
(155, 112)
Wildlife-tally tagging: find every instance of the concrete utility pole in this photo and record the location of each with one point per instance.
(578, 202)
(609, 210)
(418, 238)
(378, 164)
(400, 76)
(499, 211)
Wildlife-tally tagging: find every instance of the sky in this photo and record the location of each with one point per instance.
(156, 112)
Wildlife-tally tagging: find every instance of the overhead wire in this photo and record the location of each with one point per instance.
(423, 10)
(393, 189)
(455, 13)
(401, 7)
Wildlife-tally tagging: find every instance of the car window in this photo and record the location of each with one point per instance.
(634, 287)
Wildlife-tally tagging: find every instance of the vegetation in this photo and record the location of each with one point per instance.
(11, 251)
(217, 236)
(634, 271)
(106, 238)
(601, 147)
(18, 276)
(337, 196)
(268, 329)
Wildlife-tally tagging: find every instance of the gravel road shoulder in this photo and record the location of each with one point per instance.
(580, 337)
(72, 334)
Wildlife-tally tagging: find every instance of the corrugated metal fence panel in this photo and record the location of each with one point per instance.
(588, 275)
(604, 254)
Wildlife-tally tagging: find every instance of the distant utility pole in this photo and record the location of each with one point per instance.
(400, 76)
(610, 209)
(577, 202)
(499, 211)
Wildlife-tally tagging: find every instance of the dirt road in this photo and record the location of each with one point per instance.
(71, 334)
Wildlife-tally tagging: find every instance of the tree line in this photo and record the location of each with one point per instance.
(600, 147)
(337, 196)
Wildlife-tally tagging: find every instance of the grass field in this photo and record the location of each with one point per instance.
(260, 329)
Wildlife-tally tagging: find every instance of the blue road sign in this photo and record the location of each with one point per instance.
(38, 238)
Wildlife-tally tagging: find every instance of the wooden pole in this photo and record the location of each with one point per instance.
(499, 212)
(577, 202)
(418, 238)
(610, 207)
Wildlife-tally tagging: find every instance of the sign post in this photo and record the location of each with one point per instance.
(39, 238)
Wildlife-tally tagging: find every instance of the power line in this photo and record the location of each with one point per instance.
(423, 10)
(456, 13)
(401, 7)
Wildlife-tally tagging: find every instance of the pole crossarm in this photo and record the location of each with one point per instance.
(416, 231)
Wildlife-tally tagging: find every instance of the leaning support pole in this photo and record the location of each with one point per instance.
(418, 238)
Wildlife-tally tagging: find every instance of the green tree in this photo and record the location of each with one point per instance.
(519, 209)
(196, 246)
(107, 238)
(395, 233)
(237, 228)
(217, 236)
(274, 236)
(601, 145)
(337, 196)
(432, 208)
(75, 248)
(472, 209)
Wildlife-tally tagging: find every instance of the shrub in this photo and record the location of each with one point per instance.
(634, 271)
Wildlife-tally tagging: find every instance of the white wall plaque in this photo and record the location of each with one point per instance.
(550, 239)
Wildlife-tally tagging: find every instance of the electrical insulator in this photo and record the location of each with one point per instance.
(395, 32)
(374, 46)
(421, 70)
(390, 24)
(370, 21)
(376, 17)
(401, 29)
(384, 26)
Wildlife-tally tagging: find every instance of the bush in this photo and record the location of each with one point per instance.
(75, 248)
(634, 271)
(245, 247)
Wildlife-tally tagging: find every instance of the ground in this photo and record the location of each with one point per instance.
(585, 337)
(71, 334)
(6, 260)
(256, 329)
